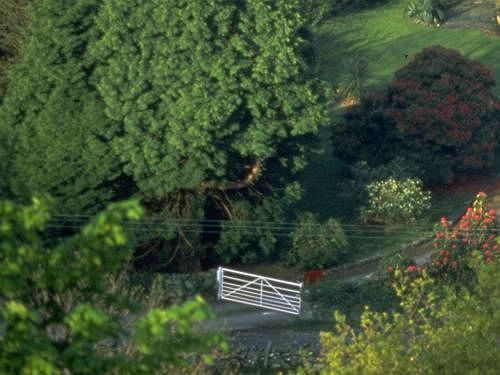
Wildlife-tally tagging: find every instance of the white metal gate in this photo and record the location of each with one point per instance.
(260, 291)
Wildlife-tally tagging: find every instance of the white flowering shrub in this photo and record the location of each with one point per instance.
(393, 201)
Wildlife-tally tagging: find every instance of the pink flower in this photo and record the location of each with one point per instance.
(411, 268)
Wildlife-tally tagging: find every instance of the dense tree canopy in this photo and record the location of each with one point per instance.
(12, 22)
(52, 114)
(205, 93)
(204, 111)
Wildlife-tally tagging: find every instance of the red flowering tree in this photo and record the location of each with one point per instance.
(476, 231)
(439, 112)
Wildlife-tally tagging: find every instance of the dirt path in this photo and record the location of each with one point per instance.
(471, 14)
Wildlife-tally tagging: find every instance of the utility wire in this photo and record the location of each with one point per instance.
(283, 232)
(277, 234)
(248, 223)
(254, 225)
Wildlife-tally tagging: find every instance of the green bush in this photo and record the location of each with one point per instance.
(430, 12)
(317, 245)
(393, 201)
(61, 312)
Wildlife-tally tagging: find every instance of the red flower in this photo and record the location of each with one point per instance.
(411, 268)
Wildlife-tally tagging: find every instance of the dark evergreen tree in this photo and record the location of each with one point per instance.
(52, 115)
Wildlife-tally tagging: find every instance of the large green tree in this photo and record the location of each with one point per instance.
(212, 101)
(52, 115)
(203, 107)
(205, 91)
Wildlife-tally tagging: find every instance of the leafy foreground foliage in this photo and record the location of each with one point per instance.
(58, 316)
(438, 331)
(439, 113)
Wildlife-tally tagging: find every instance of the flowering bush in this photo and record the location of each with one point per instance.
(475, 232)
(439, 113)
(395, 201)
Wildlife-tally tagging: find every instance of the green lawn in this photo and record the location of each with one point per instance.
(382, 36)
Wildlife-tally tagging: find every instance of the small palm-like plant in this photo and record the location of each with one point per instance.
(430, 12)
(352, 85)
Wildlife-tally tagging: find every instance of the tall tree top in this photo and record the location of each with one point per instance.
(205, 90)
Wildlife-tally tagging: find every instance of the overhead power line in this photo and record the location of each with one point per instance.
(279, 230)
